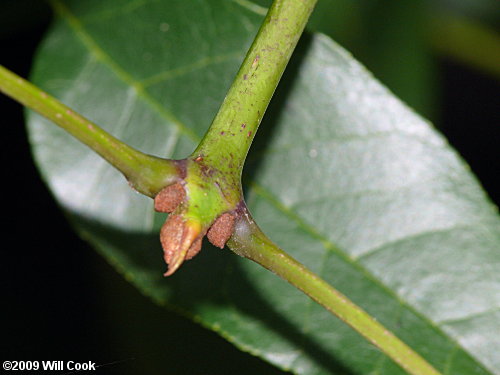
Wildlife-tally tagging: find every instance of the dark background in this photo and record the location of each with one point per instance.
(96, 315)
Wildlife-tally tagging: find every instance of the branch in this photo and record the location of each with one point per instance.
(249, 242)
(238, 119)
(213, 181)
(147, 174)
(231, 133)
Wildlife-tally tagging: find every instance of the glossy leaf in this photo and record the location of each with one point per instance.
(342, 175)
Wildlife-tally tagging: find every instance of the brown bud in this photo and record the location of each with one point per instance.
(181, 240)
(195, 248)
(171, 236)
(169, 198)
(221, 230)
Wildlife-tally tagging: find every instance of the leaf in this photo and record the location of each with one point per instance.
(342, 175)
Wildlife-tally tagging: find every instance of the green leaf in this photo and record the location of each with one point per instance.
(342, 175)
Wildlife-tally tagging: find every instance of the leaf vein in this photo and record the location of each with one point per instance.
(470, 316)
(186, 69)
(251, 6)
(97, 51)
(422, 234)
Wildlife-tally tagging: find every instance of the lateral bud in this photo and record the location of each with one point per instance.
(221, 230)
(169, 198)
(181, 240)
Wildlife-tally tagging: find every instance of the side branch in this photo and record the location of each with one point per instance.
(146, 174)
(249, 242)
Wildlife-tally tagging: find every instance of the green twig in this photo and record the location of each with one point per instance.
(238, 119)
(146, 174)
(249, 242)
(230, 137)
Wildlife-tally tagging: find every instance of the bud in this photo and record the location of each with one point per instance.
(169, 198)
(181, 240)
(221, 230)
